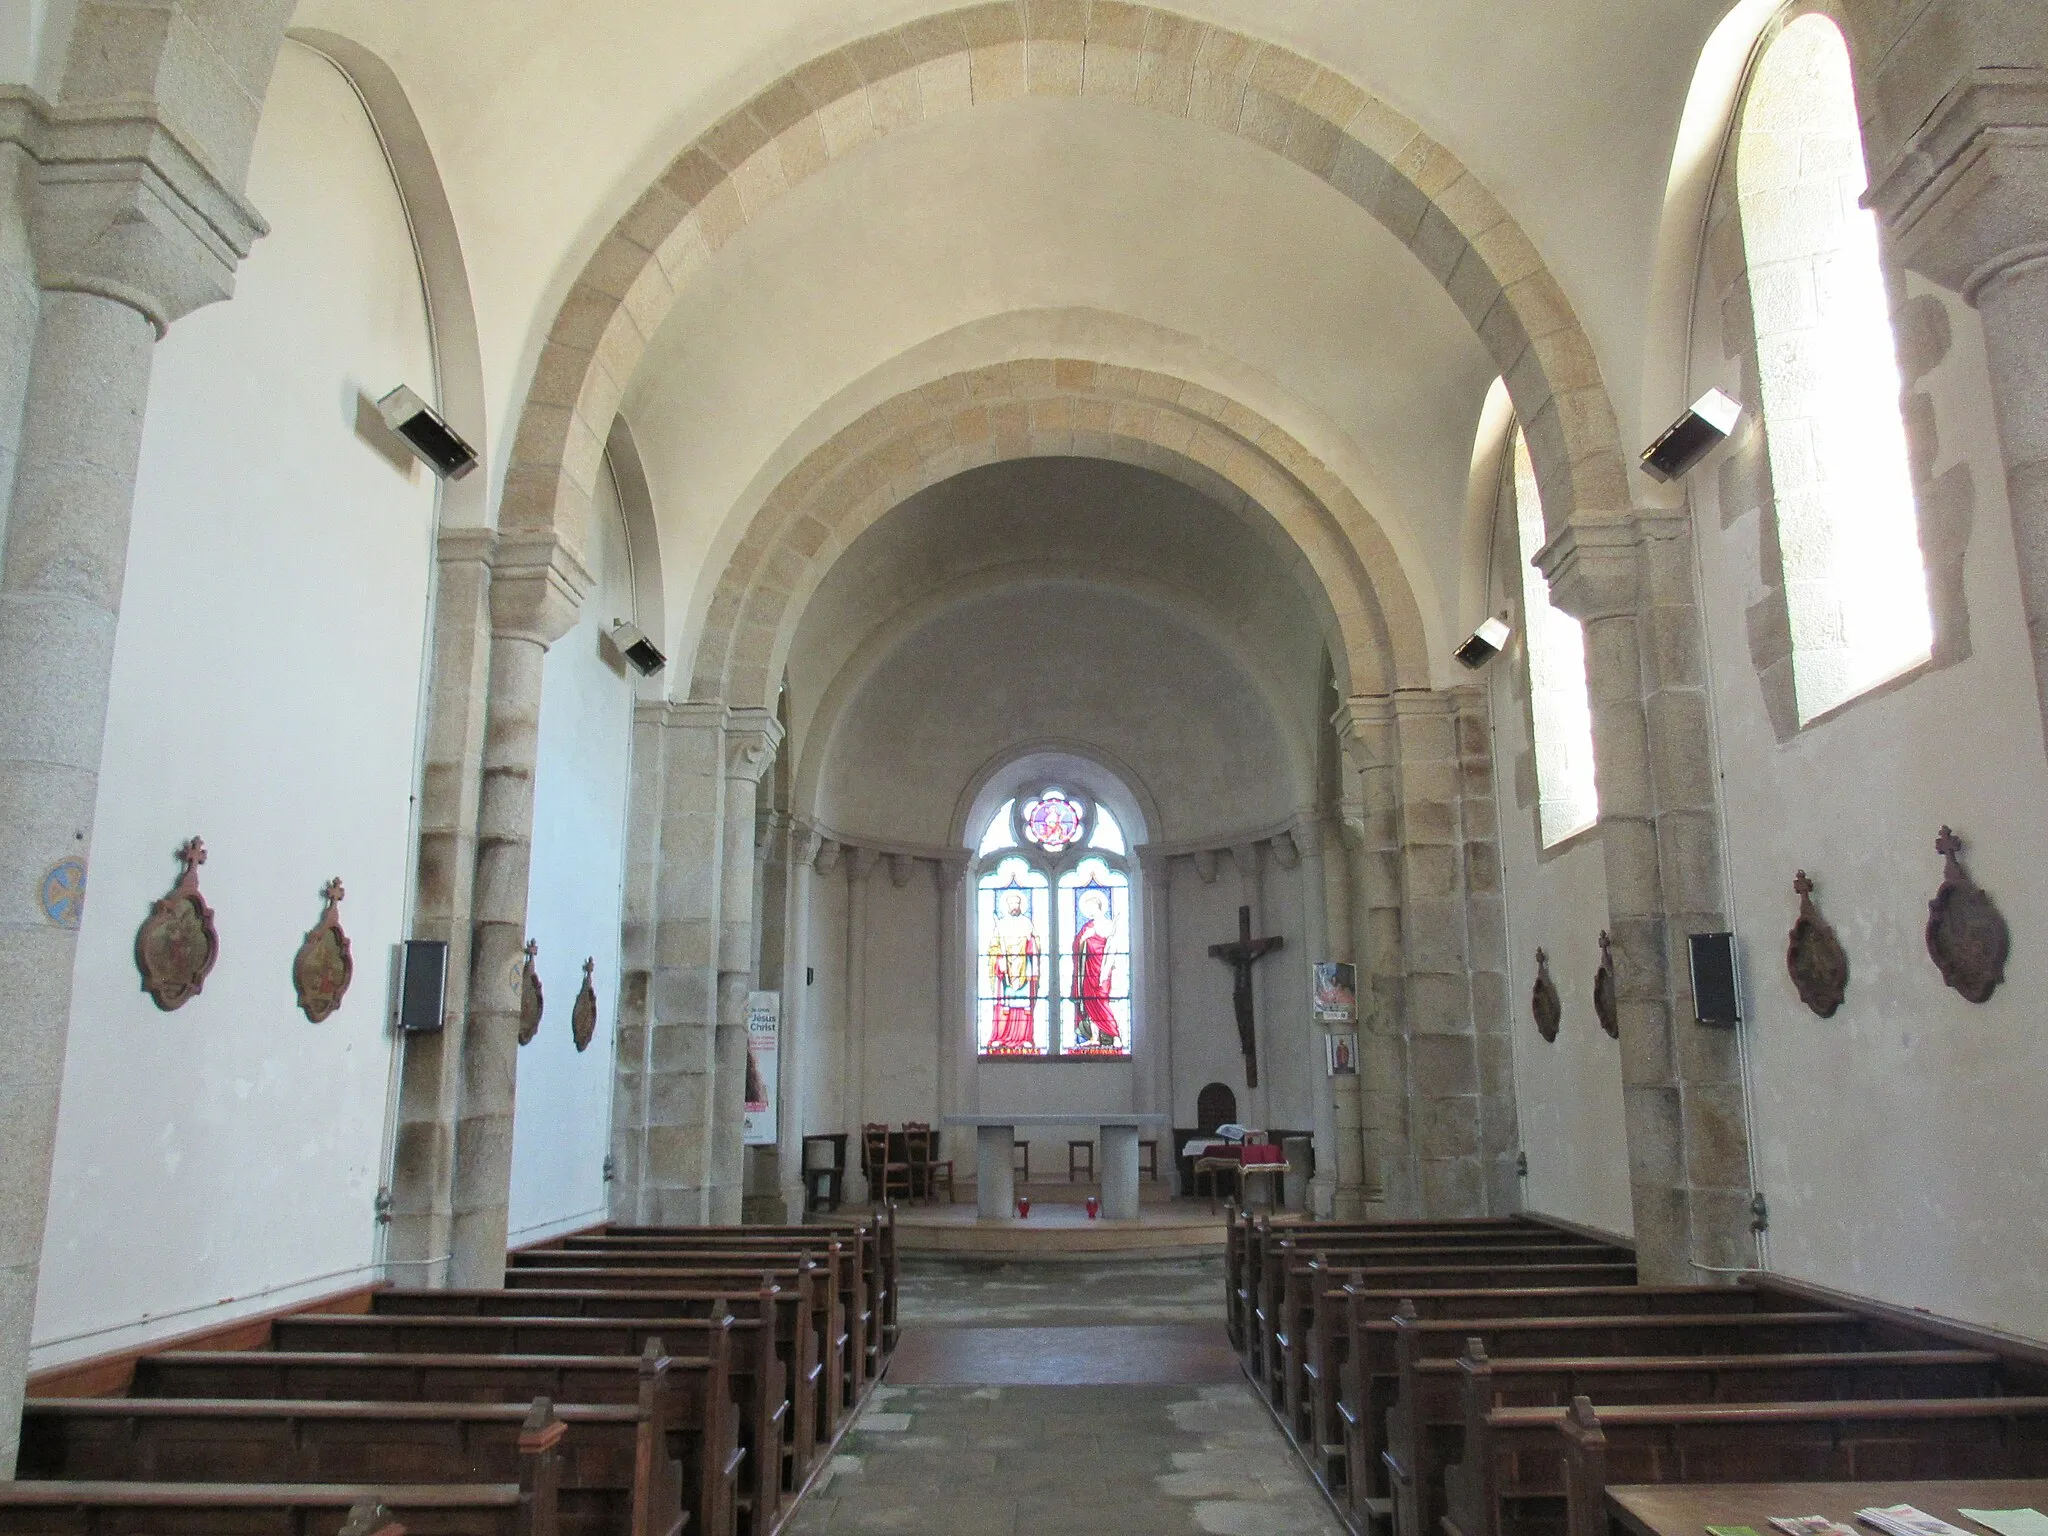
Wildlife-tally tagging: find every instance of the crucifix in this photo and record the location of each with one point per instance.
(1240, 957)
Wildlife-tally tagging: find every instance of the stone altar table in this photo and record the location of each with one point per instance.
(995, 1190)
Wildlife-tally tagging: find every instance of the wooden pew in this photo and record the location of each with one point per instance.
(1249, 1237)
(607, 1469)
(789, 1300)
(1298, 1282)
(1405, 1271)
(719, 1274)
(1382, 1351)
(1544, 1471)
(874, 1243)
(841, 1260)
(778, 1425)
(266, 1509)
(1350, 1302)
(499, 1378)
(1425, 1428)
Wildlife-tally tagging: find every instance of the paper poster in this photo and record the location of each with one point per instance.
(1342, 1050)
(764, 1047)
(1334, 991)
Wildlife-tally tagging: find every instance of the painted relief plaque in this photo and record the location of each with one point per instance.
(1606, 1001)
(531, 1003)
(1544, 1002)
(583, 1017)
(176, 945)
(324, 966)
(1966, 935)
(1814, 955)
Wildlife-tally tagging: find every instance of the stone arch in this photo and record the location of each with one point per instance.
(1045, 407)
(1147, 57)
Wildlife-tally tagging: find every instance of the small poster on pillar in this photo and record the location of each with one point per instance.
(1333, 987)
(764, 1048)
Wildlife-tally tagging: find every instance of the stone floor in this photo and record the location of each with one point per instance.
(1141, 1457)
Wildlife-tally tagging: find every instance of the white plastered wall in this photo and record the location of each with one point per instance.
(561, 1125)
(265, 696)
(1898, 1143)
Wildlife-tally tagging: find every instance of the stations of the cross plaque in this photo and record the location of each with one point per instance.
(1241, 956)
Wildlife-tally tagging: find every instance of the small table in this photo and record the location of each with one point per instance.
(1687, 1509)
(995, 1188)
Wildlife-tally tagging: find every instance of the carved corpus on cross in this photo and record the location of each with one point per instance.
(1241, 957)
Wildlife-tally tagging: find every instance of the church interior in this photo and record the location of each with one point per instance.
(691, 696)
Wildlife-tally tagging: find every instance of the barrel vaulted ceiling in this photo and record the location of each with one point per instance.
(1044, 227)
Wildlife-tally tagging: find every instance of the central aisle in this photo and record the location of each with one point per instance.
(1153, 1431)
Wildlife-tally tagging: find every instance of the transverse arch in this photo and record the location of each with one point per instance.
(1147, 57)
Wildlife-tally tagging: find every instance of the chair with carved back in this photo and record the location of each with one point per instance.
(885, 1178)
(927, 1169)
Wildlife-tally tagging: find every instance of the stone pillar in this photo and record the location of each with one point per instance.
(638, 962)
(954, 1040)
(799, 1026)
(130, 230)
(1154, 1027)
(860, 868)
(1486, 956)
(683, 990)
(1337, 858)
(1306, 838)
(430, 1082)
(1629, 579)
(537, 586)
(1966, 204)
(751, 737)
(1367, 732)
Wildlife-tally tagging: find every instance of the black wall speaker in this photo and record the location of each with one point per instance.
(1715, 994)
(422, 985)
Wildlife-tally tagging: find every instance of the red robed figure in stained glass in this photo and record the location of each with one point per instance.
(1094, 1021)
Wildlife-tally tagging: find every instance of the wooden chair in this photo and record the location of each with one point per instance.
(824, 1182)
(1081, 1160)
(1148, 1160)
(927, 1169)
(1020, 1160)
(885, 1178)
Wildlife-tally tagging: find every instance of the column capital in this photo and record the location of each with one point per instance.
(537, 587)
(455, 546)
(1967, 199)
(861, 862)
(1592, 566)
(951, 870)
(830, 852)
(1287, 849)
(126, 208)
(804, 841)
(751, 737)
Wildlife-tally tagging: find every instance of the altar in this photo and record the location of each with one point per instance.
(995, 1189)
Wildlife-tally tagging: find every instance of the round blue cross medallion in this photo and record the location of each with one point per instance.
(64, 893)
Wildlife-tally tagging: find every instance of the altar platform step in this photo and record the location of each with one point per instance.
(1059, 1228)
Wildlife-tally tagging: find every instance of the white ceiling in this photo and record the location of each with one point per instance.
(549, 117)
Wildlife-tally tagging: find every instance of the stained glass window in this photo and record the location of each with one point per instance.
(1095, 960)
(1016, 981)
(1052, 931)
(999, 835)
(1053, 821)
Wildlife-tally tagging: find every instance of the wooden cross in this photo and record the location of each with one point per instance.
(1241, 957)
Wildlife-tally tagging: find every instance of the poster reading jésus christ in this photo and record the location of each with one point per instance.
(764, 1046)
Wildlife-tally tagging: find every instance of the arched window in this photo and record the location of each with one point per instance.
(1855, 584)
(1052, 891)
(1561, 711)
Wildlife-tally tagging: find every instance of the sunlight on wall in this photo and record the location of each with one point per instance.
(1567, 801)
(1854, 582)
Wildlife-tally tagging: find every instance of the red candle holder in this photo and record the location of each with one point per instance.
(1094, 1207)
(1023, 1205)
